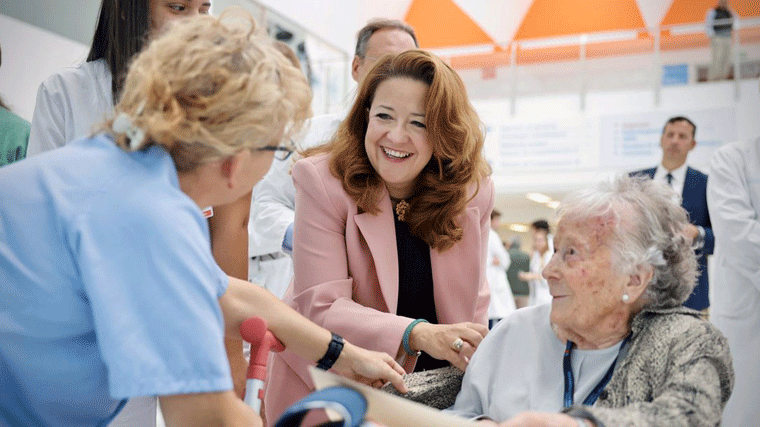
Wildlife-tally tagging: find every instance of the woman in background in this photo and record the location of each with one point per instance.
(502, 300)
(14, 134)
(391, 225)
(74, 100)
(542, 253)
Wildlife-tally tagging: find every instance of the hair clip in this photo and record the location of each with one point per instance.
(124, 124)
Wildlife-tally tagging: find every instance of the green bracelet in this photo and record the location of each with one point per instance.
(405, 340)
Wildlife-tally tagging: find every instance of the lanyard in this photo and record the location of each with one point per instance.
(567, 369)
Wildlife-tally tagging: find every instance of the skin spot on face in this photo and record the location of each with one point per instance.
(600, 229)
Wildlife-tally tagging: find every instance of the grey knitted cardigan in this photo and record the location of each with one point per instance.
(675, 371)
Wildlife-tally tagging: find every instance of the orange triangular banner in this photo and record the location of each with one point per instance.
(442, 24)
(694, 11)
(556, 18)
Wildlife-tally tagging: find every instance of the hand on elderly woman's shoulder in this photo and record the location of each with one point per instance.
(541, 419)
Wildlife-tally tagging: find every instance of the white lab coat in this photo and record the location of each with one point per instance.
(539, 289)
(72, 103)
(733, 198)
(272, 210)
(502, 301)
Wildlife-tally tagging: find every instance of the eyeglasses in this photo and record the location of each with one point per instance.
(280, 152)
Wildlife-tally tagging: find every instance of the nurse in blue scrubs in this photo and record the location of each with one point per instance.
(108, 288)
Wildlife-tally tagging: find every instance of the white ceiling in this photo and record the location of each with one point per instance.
(516, 208)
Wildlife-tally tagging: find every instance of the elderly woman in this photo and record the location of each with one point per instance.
(615, 347)
(392, 223)
(109, 287)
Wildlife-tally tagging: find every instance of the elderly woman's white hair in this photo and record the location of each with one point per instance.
(648, 232)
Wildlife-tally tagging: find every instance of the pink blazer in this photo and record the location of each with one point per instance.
(346, 274)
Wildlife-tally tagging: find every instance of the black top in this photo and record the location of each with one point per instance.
(721, 14)
(415, 278)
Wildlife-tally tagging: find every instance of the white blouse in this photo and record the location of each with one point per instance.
(518, 367)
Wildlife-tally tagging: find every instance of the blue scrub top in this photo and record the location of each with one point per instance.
(108, 288)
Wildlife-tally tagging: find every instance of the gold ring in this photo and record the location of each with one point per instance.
(457, 344)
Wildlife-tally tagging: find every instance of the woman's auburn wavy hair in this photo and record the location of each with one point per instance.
(453, 130)
(211, 87)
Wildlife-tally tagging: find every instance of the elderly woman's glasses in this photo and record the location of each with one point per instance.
(280, 152)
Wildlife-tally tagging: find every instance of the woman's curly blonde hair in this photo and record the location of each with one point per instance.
(210, 87)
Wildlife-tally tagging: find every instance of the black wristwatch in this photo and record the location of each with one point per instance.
(332, 353)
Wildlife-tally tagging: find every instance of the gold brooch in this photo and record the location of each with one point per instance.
(401, 209)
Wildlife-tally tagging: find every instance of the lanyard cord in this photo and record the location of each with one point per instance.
(567, 370)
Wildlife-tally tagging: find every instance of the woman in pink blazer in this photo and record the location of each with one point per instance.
(391, 226)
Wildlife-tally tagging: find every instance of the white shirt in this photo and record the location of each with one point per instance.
(502, 301)
(70, 104)
(733, 197)
(539, 289)
(518, 367)
(678, 180)
(273, 210)
(273, 200)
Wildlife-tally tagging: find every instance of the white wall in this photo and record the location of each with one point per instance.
(30, 55)
(583, 129)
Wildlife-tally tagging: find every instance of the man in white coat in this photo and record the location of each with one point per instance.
(270, 228)
(502, 301)
(733, 198)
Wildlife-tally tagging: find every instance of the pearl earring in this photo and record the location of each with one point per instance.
(625, 298)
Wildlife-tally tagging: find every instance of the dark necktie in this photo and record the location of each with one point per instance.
(669, 177)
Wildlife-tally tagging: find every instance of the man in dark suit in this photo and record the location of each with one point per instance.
(676, 141)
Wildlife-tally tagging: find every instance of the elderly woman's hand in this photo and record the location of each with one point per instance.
(455, 343)
(539, 419)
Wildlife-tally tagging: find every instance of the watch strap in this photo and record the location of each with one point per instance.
(333, 352)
